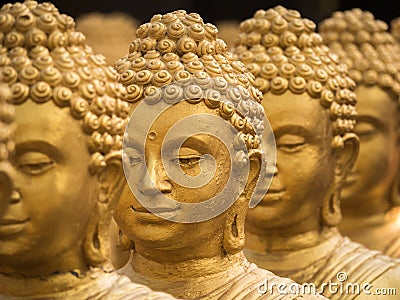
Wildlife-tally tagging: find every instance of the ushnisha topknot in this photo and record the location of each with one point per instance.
(365, 45)
(283, 52)
(42, 58)
(179, 47)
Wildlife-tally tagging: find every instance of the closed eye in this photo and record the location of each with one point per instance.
(187, 161)
(36, 168)
(290, 148)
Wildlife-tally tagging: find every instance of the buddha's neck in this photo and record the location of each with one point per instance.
(301, 251)
(71, 260)
(47, 286)
(279, 240)
(375, 231)
(191, 278)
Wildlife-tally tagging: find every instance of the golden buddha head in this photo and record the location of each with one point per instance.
(309, 102)
(372, 56)
(7, 130)
(197, 118)
(67, 162)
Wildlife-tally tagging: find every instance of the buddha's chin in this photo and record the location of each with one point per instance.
(268, 217)
(157, 234)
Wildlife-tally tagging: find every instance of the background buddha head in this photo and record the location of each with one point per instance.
(70, 123)
(309, 102)
(117, 31)
(178, 61)
(372, 56)
(395, 28)
(7, 131)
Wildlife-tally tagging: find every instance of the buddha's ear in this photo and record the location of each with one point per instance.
(346, 151)
(346, 155)
(111, 181)
(395, 187)
(234, 234)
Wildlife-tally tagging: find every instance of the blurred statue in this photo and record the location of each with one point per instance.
(195, 127)
(395, 28)
(228, 31)
(370, 195)
(70, 120)
(309, 100)
(108, 33)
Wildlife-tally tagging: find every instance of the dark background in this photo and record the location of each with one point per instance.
(216, 10)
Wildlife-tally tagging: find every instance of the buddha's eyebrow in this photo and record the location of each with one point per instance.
(372, 120)
(38, 146)
(193, 142)
(294, 129)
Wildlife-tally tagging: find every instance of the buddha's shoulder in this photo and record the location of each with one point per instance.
(257, 283)
(358, 264)
(114, 286)
(393, 247)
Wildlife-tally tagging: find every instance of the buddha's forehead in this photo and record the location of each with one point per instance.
(377, 102)
(46, 122)
(293, 113)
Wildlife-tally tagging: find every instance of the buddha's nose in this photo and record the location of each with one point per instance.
(154, 180)
(272, 171)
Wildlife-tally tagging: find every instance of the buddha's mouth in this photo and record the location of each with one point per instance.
(351, 179)
(12, 226)
(154, 210)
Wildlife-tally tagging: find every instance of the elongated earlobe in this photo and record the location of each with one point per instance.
(346, 151)
(234, 233)
(97, 240)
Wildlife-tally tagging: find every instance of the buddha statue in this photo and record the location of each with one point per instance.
(395, 28)
(370, 197)
(117, 31)
(196, 125)
(67, 170)
(310, 103)
(228, 29)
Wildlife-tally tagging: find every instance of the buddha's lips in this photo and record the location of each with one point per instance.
(273, 190)
(272, 197)
(9, 227)
(154, 209)
(13, 221)
(351, 178)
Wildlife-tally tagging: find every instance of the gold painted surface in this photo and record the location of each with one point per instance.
(67, 174)
(201, 260)
(310, 102)
(371, 191)
(7, 145)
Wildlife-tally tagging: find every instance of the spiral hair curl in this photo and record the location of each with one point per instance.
(7, 124)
